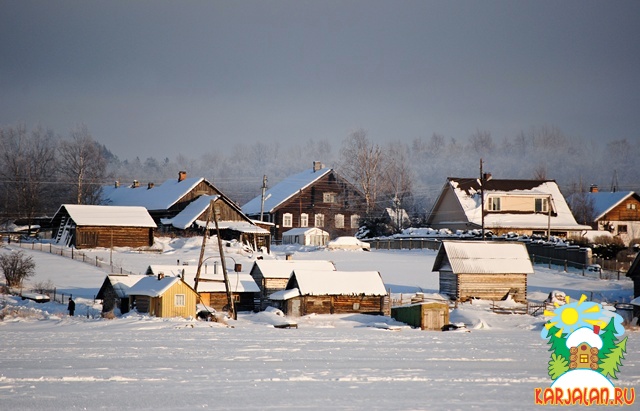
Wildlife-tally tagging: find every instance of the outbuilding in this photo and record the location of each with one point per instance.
(426, 315)
(333, 292)
(490, 270)
(161, 296)
(114, 292)
(305, 236)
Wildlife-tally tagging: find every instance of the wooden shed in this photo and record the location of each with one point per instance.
(273, 275)
(333, 292)
(305, 236)
(427, 315)
(91, 226)
(483, 269)
(114, 292)
(162, 296)
(211, 288)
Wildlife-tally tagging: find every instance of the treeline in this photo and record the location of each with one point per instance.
(41, 170)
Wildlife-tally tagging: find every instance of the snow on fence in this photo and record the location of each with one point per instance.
(74, 254)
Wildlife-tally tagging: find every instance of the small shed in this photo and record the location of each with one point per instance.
(305, 236)
(333, 292)
(114, 292)
(483, 269)
(273, 275)
(91, 226)
(211, 288)
(427, 315)
(162, 296)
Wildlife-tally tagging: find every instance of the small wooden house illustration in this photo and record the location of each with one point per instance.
(584, 345)
(161, 296)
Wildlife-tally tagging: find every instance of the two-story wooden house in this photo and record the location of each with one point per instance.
(317, 197)
(526, 207)
(616, 212)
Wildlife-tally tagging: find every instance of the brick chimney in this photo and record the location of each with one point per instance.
(182, 175)
(117, 184)
(135, 184)
(150, 185)
(317, 166)
(593, 188)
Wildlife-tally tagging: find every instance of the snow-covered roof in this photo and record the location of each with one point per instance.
(284, 190)
(191, 212)
(584, 335)
(310, 282)
(151, 286)
(122, 283)
(160, 197)
(304, 231)
(284, 294)
(240, 226)
(467, 191)
(603, 202)
(283, 268)
(483, 257)
(238, 282)
(110, 216)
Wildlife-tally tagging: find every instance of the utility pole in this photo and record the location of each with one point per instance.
(204, 242)
(264, 188)
(232, 309)
(482, 199)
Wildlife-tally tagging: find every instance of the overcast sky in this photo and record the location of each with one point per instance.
(159, 78)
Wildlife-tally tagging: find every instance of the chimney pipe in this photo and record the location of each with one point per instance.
(593, 188)
(150, 186)
(160, 276)
(117, 184)
(317, 166)
(182, 175)
(135, 184)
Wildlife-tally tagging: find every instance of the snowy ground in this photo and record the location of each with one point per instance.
(52, 361)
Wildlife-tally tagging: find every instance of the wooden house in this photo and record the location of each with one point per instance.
(333, 292)
(91, 226)
(483, 269)
(306, 236)
(182, 205)
(211, 289)
(527, 207)
(426, 315)
(161, 296)
(615, 212)
(317, 197)
(114, 292)
(273, 275)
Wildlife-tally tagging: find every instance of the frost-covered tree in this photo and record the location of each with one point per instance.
(16, 267)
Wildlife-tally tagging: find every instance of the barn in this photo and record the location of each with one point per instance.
(211, 288)
(91, 226)
(333, 292)
(161, 296)
(483, 269)
(305, 236)
(426, 315)
(114, 292)
(273, 275)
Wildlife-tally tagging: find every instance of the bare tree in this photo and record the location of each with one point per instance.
(16, 267)
(83, 166)
(540, 172)
(361, 162)
(398, 180)
(581, 204)
(27, 162)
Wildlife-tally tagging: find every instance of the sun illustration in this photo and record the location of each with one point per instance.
(573, 315)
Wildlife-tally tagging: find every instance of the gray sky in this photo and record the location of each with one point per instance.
(159, 78)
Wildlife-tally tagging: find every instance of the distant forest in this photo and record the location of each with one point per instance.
(411, 173)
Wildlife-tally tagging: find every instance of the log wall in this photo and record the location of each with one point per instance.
(107, 237)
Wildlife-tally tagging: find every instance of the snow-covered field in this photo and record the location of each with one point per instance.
(49, 360)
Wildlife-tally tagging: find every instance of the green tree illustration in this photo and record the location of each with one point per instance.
(557, 366)
(608, 340)
(613, 360)
(558, 344)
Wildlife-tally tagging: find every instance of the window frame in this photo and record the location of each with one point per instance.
(177, 298)
(304, 220)
(318, 220)
(287, 220)
(339, 220)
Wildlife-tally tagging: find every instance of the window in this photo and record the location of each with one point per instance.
(287, 220)
(631, 206)
(542, 205)
(584, 358)
(180, 300)
(304, 220)
(622, 228)
(319, 220)
(329, 197)
(494, 204)
(355, 219)
(339, 221)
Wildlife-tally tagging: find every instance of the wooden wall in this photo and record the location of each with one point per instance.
(485, 286)
(622, 213)
(164, 306)
(338, 304)
(242, 301)
(92, 237)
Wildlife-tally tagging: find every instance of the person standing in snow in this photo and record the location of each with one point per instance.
(72, 306)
